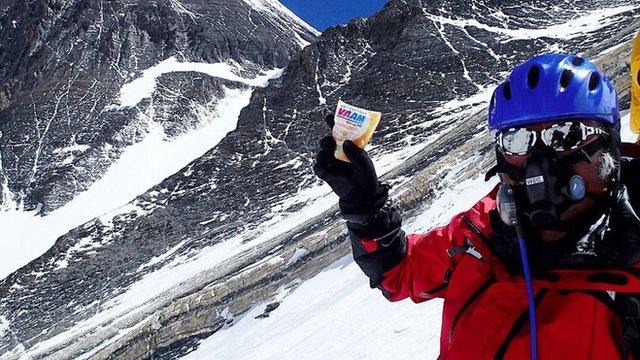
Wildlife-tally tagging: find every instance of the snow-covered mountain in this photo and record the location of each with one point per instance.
(82, 80)
(247, 222)
(147, 88)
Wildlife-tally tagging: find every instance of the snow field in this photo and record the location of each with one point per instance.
(626, 133)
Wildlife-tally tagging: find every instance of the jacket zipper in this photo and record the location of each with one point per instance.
(468, 303)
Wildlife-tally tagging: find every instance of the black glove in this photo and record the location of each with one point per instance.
(355, 183)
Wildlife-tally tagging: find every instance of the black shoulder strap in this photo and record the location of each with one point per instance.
(630, 150)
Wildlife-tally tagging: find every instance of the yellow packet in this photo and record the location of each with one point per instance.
(355, 124)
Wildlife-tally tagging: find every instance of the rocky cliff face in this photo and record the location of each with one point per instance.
(248, 219)
(63, 117)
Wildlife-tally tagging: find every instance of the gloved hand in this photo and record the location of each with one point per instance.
(356, 183)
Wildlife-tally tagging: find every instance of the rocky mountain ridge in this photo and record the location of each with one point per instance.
(247, 220)
(65, 114)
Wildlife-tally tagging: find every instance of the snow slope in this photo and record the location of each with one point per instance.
(626, 133)
(333, 316)
(336, 315)
(154, 287)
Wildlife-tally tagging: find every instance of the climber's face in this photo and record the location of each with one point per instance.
(551, 150)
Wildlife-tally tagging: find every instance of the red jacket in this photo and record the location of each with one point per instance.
(485, 313)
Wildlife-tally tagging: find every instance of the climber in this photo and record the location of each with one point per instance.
(546, 265)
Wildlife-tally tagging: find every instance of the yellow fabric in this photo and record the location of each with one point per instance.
(635, 86)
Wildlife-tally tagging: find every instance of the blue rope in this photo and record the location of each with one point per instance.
(531, 297)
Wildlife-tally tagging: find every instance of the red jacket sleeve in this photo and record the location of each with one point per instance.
(418, 266)
(424, 272)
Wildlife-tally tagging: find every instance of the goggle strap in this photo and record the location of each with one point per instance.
(503, 166)
(589, 149)
(590, 130)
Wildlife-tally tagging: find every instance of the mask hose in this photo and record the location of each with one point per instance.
(508, 213)
(530, 295)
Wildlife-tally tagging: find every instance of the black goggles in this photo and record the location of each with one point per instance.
(560, 137)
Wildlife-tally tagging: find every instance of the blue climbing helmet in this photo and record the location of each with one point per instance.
(553, 87)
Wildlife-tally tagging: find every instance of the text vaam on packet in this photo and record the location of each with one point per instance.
(354, 124)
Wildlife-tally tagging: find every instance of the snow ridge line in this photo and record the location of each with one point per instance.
(132, 93)
(269, 6)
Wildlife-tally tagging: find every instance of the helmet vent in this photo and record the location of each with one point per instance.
(577, 61)
(506, 90)
(638, 77)
(533, 76)
(565, 78)
(594, 80)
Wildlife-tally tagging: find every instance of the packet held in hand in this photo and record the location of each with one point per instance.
(355, 124)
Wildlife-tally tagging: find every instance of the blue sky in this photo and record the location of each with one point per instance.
(323, 13)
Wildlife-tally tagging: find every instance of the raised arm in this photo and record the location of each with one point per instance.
(415, 266)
